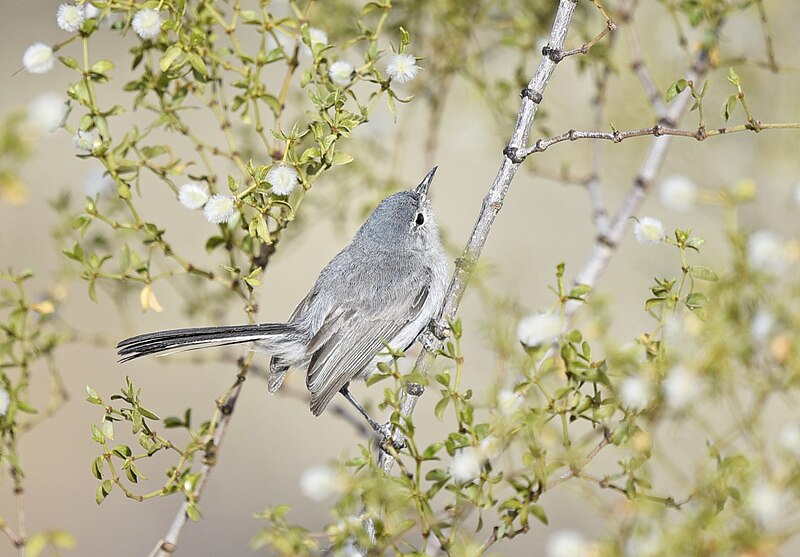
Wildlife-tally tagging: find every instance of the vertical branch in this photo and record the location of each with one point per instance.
(531, 97)
(640, 69)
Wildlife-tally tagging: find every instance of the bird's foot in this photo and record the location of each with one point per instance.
(386, 432)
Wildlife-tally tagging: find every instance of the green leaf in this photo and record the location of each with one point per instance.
(728, 106)
(441, 406)
(579, 291)
(102, 66)
(103, 490)
(198, 65)
(695, 243)
(97, 435)
(675, 89)
(214, 242)
(696, 300)
(69, 62)
(431, 450)
(443, 378)
(193, 512)
(93, 397)
(538, 512)
(148, 414)
(733, 77)
(97, 467)
(122, 451)
(340, 158)
(108, 428)
(173, 422)
(703, 273)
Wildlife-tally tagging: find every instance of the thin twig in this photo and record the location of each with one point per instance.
(586, 47)
(575, 471)
(700, 134)
(772, 63)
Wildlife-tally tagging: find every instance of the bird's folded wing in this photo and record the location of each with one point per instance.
(348, 341)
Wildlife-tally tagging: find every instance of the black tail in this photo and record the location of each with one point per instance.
(177, 340)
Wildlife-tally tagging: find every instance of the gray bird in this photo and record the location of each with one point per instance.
(384, 288)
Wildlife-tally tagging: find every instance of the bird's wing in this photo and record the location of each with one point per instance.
(348, 341)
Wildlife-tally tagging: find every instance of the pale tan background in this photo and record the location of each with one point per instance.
(273, 439)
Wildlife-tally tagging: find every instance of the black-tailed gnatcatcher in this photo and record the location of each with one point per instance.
(385, 287)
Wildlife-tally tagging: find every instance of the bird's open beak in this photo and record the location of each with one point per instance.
(423, 186)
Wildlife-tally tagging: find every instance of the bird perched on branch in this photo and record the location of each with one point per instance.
(380, 291)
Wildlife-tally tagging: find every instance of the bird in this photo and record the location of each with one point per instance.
(381, 291)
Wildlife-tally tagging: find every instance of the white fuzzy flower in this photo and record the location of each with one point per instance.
(789, 438)
(766, 502)
(90, 12)
(70, 17)
(538, 329)
(402, 68)
(341, 73)
(86, 141)
(147, 23)
(466, 465)
(508, 402)
(635, 393)
(765, 252)
(643, 546)
(283, 178)
(677, 192)
(192, 195)
(5, 400)
(47, 111)
(98, 182)
(317, 37)
(762, 325)
(567, 543)
(220, 208)
(681, 388)
(38, 58)
(490, 447)
(320, 482)
(649, 231)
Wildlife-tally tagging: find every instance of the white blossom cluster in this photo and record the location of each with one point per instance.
(221, 208)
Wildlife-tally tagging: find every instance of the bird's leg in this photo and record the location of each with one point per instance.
(384, 430)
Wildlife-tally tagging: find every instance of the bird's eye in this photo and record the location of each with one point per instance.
(420, 219)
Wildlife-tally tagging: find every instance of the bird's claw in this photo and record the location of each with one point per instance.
(440, 329)
(386, 432)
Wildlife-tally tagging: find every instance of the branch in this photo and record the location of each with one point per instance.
(640, 68)
(700, 134)
(492, 203)
(606, 244)
(167, 545)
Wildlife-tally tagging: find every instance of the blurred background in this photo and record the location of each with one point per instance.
(272, 440)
